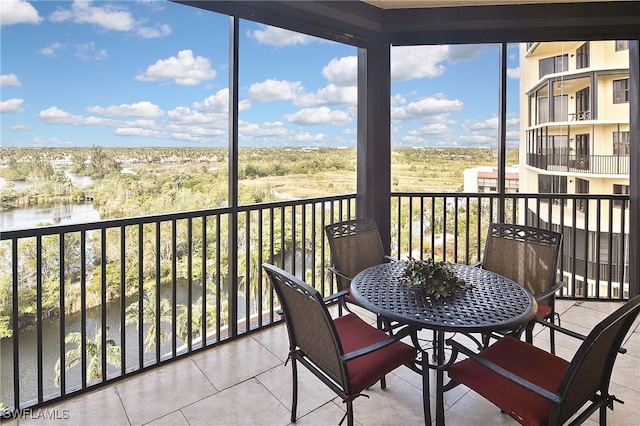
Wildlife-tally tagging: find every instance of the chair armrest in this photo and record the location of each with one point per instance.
(338, 273)
(327, 300)
(561, 329)
(400, 334)
(476, 264)
(569, 332)
(457, 347)
(391, 259)
(335, 296)
(551, 291)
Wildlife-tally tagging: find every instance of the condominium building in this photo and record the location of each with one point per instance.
(574, 117)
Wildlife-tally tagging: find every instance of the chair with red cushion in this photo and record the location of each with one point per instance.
(355, 245)
(528, 256)
(346, 353)
(536, 387)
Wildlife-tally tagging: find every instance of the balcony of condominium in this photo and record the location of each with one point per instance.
(183, 294)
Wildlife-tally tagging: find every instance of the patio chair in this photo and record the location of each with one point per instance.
(528, 256)
(345, 353)
(536, 387)
(355, 245)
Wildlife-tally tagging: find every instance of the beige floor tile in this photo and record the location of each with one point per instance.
(320, 417)
(164, 390)
(101, 407)
(235, 362)
(472, 410)
(399, 403)
(312, 392)
(172, 419)
(248, 403)
(276, 340)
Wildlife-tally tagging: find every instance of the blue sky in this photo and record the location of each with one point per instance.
(154, 73)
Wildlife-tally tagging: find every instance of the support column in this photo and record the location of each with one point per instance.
(374, 137)
(634, 163)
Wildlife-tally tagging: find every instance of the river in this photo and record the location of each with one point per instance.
(49, 214)
(51, 337)
(54, 214)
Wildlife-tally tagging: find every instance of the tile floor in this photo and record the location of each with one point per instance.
(200, 390)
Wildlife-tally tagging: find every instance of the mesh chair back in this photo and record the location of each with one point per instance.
(308, 322)
(355, 245)
(526, 255)
(591, 367)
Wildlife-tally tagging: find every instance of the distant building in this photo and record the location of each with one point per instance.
(574, 117)
(485, 179)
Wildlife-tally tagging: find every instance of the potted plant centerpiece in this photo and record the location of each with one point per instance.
(438, 279)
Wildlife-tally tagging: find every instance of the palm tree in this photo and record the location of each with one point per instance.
(93, 346)
(196, 320)
(151, 317)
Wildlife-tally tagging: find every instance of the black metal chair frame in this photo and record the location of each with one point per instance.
(587, 378)
(315, 343)
(544, 286)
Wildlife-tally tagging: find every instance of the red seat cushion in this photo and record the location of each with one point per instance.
(366, 370)
(544, 310)
(524, 360)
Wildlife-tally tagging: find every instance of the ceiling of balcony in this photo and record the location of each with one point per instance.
(406, 4)
(412, 22)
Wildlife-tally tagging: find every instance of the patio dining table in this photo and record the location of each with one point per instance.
(493, 303)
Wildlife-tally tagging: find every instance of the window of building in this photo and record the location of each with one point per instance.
(553, 65)
(582, 56)
(582, 104)
(621, 91)
(622, 45)
(621, 143)
(582, 187)
(620, 190)
(548, 184)
(560, 108)
(543, 110)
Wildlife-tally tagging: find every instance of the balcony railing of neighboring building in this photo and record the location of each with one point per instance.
(91, 303)
(596, 164)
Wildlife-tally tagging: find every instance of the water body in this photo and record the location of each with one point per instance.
(54, 214)
(49, 214)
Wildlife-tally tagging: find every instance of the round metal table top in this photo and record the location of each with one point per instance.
(494, 302)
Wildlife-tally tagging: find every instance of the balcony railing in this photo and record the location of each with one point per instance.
(91, 303)
(597, 164)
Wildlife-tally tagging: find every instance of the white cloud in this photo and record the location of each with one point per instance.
(160, 30)
(12, 106)
(134, 131)
(412, 62)
(426, 108)
(219, 103)
(279, 37)
(329, 95)
(184, 69)
(51, 49)
(88, 51)
(59, 116)
(266, 129)
(513, 72)
(7, 80)
(323, 115)
(139, 109)
(21, 128)
(110, 16)
(275, 90)
(186, 115)
(342, 71)
(18, 12)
